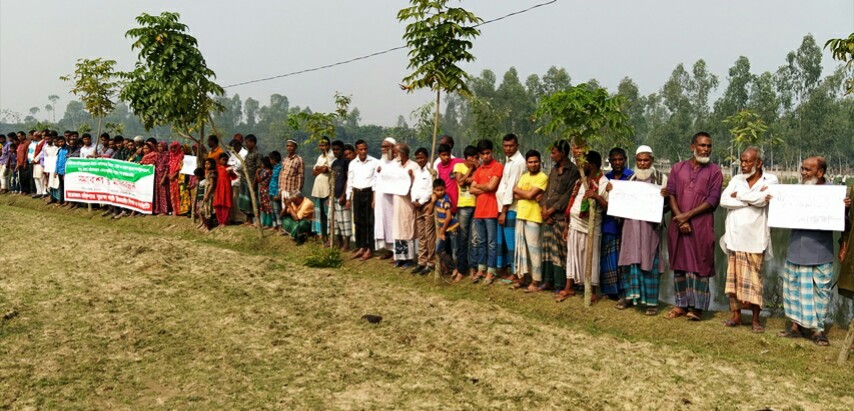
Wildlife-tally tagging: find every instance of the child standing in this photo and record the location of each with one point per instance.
(207, 187)
(446, 229)
(265, 174)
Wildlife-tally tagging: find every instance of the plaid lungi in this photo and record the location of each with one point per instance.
(642, 286)
(529, 251)
(609, 272)
(554, 246)
(404, 250)
(244, 201)
(692, 291)
(296, 229)
(744, 278)
(806, 293)
(343, 221)
(320, 225)
(576, 257)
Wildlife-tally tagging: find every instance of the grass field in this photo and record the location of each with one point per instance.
(148, 313)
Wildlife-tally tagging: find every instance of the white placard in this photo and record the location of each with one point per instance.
(636, 200)
(811, 207)
(189, 165)
(393, 179)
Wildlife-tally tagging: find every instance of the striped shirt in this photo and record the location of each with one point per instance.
(443, 208)
(292, 175)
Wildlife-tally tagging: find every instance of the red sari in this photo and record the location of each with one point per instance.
(176, 162)
(161, 191)
(222, 196)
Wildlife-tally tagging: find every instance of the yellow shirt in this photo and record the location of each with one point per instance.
(465, 198)
(529, 210)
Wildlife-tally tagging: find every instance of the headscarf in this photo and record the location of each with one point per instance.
(176, 157)
(163, 158)
(151, 157)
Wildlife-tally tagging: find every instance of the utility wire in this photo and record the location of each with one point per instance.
(378, 53)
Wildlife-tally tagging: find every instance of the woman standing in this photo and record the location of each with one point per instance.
(176, 162)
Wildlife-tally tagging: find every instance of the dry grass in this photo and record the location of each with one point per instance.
(148, 314)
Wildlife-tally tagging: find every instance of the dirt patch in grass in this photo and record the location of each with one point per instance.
(147, 313)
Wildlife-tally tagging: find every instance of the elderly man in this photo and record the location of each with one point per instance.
(640, 252)
(562, 178)
(808, 275)
(694, 191)
(514, 167)
(613, 283)
(403, 218)
(322, 188)
(747, 236)
(384, 203)
(361, 181)
(297, 217)
(587, 196)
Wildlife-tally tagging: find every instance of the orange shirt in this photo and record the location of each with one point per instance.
(486, 205)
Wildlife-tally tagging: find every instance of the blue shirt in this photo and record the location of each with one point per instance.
(274, 180)
(610, 225)
(440, 206)
(61, 159)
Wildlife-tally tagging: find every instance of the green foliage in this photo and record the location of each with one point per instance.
(439, 38)
(748, 129)
(583, 113)
(319, 124)
(171, 83)
(322, 257)
(843, 50)
(95, 83)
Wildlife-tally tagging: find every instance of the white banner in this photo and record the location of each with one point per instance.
(394, 179)
(810, 207)
(636, 200)
(107, 181)
(189, 165)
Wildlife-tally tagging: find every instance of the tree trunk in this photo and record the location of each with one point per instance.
(435, 129)
(199, 163)
(332, 201)
(97, 143)
(846, 345)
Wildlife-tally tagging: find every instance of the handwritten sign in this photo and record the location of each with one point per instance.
(812, 207)
(189, 165)
(636, 200)
(394, 179)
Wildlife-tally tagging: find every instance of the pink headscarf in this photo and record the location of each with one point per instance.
(176, 157)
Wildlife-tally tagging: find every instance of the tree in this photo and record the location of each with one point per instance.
(585, 114)
(171, 83)
(95, 83)
(843, 50)
(53, 98)
(250, 107)
(319, 124)
(439, 38)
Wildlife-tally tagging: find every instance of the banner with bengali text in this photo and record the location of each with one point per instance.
(112, 182)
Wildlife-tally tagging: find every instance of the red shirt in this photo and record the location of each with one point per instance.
(486, 205)
(23, 161)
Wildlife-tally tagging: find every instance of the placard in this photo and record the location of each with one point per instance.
(636, 200)
(811, 207)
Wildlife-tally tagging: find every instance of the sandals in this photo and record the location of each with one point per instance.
(674, 313)
(820, 340)
(788, 333)
(563, 296)
(757, 328)
(651, 311)
(731, 323)
(693, 316)
(623, 304)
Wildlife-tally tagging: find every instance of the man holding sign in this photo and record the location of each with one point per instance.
(747, 236)
(640, 256)
(808, 276)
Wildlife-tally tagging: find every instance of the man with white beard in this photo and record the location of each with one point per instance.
(384, 204)
(694, 188)
(640, 254)
(808, 275)
(747, 237)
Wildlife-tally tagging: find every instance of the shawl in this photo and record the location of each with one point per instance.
(176, 157)
(592, 183)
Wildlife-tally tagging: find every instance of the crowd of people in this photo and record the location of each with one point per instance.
(488, 220)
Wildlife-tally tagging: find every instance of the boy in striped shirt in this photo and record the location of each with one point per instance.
(446, 228)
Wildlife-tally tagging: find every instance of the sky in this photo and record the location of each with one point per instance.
(40, 40)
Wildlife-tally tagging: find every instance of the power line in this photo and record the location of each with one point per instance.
(378, 53)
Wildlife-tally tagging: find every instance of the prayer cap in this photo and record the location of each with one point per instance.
(643, 149)
(390, 140)
(138, 139)
(290, 140)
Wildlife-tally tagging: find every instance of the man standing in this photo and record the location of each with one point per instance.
(292, 176)
(586, 197)
(613, 284)
(562, 178)
(747, 236)
(361, 178)
(320, 190)
(529, 252)
(448, 141)
(384, 203)
(23, 167)
(463, 175)
(808, 275)
(252, 162)
(403, 217)
(425, 224)
(342, 223)
(87, 149)
(694, 190)
(485, 182)
(4, 157)
(640, 252)
(38, 163)
(514, 167)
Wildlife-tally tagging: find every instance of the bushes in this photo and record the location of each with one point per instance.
(322, 257)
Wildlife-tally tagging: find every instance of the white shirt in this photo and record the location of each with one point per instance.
(514, 167)
(361, 174)
(321, 181)
(580, 224)
(422, 186)
(86, 151)
(747, 215)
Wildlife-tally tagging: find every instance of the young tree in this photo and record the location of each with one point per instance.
(843, 50)
(171, 83)
(95, 83)
(439, 38)
(585, 114)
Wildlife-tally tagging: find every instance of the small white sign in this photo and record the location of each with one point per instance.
(809, 207)
(636, 200)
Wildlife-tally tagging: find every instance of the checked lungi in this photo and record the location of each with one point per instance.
(343, 225)
(611, 277)
(554, 254)
(692, 290)
(806, 293)
(744, 279)
(643, 286)
(529, 250)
